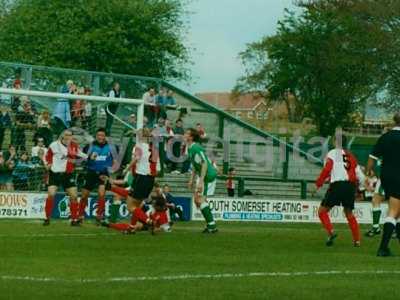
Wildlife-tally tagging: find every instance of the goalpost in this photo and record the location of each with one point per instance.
(101, 99)
(27, 109)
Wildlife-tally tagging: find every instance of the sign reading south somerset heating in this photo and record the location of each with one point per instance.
(265, 210)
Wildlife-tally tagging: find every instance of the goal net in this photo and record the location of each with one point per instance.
(30, 120)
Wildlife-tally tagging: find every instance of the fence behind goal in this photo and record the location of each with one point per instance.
(245, 142)
(34, 119)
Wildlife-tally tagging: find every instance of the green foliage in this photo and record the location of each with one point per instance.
(332, 57)
(141, 37)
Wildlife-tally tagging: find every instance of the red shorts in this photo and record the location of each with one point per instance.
(160, 218)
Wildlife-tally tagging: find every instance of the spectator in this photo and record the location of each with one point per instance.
(170, 99)
(201, 131)
(39, 174)
(161, 100)
(150, 109)
(5, 122)
(168, 128)
(77, 109)
(131, 131)
(174, 210)
(38, 149)
(4, 98)
(44, 128)
(146, 123)
(6, 168)
(177, 147)
(168, 138)
(11, 154)
(16, 100)
(112, 107)
(230, 183)
(160, 129)
(24, 121)
(62, 112)
(150, 97)
(87, 111)
(170, 102)
(22, 172)
(70, 86)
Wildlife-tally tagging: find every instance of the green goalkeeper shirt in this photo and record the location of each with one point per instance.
(198, 157)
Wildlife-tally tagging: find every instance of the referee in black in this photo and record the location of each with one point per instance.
(388, 150)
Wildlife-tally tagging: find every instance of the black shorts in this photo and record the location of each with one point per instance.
(92, 180)
(142, 186)
(340, 193)
(65, 180)
(391, 187)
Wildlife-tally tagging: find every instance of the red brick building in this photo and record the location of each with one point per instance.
(249, 107)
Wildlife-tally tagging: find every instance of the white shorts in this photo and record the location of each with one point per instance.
(209, 188)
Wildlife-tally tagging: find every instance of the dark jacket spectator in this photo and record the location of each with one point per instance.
(44, 128)
(5, 122)
(6, 169)
(174, 210)
(16, 100)
(150, 109)
(22, 172)
(24, 120)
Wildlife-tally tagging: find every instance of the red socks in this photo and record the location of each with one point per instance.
(326, 221)
(120, 226)
(120, 191)
(134, 219)
(82, 207)
(74, 207)
(140, 215)
(101, 205)
(355, 229)
(48, 208)
(137, 215)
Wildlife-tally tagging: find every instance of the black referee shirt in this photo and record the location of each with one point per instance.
(388, 149)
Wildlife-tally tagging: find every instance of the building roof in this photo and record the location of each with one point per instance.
(224, 100)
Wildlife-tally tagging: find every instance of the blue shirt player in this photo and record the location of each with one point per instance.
(101, 158)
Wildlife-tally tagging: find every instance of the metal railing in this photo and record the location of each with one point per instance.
(241, 183)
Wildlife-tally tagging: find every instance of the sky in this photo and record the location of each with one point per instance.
(219, 31)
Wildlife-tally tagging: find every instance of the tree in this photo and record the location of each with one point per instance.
(141, 37)
(332, 57)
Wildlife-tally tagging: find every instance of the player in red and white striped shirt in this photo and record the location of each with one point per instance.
(60, 161)
(144, 164)
(344, 174)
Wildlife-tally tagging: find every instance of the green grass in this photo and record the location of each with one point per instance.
(70, 254)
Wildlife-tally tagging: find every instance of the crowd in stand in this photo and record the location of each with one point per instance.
(22, 165)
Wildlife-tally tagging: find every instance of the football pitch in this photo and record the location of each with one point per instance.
(242, 261)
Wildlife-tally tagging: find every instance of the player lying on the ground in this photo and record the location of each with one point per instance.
(345, 174)
(158, 211)
(60, 161)
(159, 214)
(206, 178)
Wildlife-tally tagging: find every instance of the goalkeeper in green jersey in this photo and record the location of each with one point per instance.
(206, 177)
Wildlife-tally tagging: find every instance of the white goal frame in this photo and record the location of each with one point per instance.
(30, 93)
